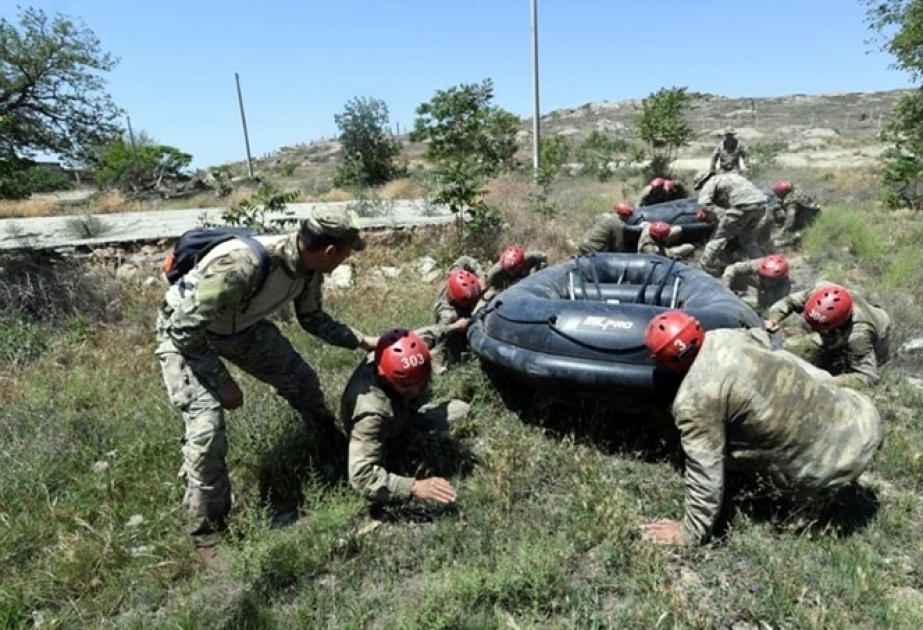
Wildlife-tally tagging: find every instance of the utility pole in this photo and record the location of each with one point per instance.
(243, 119)
(536, 110)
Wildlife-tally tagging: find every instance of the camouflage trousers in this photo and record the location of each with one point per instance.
(739, 223)
(448, 353)
(263, 352)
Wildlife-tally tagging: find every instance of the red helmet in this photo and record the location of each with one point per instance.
(773, 267)
(463, 288)
(623, 209)
(402, 358)
(512, 258)
(668, 185)
(782, 188)
(674, 339)
(657, 183)
(660, 231)
(828, 308)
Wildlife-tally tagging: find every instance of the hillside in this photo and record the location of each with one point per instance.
(826, 130)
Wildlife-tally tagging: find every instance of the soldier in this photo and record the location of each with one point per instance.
(608, 234)
(740, 206)
(731, 155)
(457, 299)
(660, 190)
(744, 406)
(800, 208)
(768, 275)
(854, 333)
(655, 238)
(385, 398)
(514, 265)
(212, 314)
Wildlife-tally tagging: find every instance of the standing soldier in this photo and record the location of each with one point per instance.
(217, 312)
(731, 155)
(608, 233)
(741, 206)
(387, 397)
(456, 300)
(854, 333)
(515, 264)
(656, 237)
(768, 275)
(799, 207)
(743, 406)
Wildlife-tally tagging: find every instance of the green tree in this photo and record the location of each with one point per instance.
(52, 97)
(369, 151)
(139, 167)
(461, 122)
(598, 153)
(661, 123)
(898, 25)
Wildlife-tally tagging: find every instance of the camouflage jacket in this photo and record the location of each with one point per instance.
(216, 298)
(729, 190)
(606, 235)
(650, 195)
(743, 406)
(854, 346)
(727, 158)
(647, 245)
(374, 414)
(444, 312)
(744, 275)
(498, 279)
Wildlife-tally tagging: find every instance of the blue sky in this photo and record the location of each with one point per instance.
(299, 62)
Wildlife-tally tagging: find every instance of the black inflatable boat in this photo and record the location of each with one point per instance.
(575, 331)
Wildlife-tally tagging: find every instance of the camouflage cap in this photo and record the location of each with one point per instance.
(340, 224)
(730, 131)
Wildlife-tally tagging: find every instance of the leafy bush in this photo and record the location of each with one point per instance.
(257, 211)
(598, 154)
(763, 156)
(369, 150)
(661, 123)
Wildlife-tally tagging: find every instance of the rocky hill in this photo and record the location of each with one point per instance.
(825, 130)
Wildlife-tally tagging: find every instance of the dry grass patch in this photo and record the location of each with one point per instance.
(28, 208)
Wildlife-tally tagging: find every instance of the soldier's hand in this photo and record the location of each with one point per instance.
(771, 325)
(230, 395)
(664, 532)
(459, 324)
(433, 489)
(368, 343)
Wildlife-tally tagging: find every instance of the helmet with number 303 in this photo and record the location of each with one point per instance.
(674, 339)
(403, 358)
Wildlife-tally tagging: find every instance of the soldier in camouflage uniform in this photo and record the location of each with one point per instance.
(798, 207)
(457, 298)
(387, 397)
(213, 313)
(655, 238)
(740, 205)
(660, 190)
(608, 233)
(743, 406)
(515, 264)
(731, 155)
(854, 334)
(768, 275)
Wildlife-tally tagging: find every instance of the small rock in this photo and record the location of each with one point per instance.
(135, 521)
(341, 278)
(100, 467)
(914, 345)
(391, 272)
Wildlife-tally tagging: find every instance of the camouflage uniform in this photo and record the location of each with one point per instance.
(498, 279)
(650, 195)
(647, 244)
(375, 416)
(741, 276)
(743, 406)
(744, 205)
(212, 314)
(854, 352)
(800, 209)
(606, 235)
(448, 351)
(728, 156)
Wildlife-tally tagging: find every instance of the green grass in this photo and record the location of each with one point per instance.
(545, 531)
